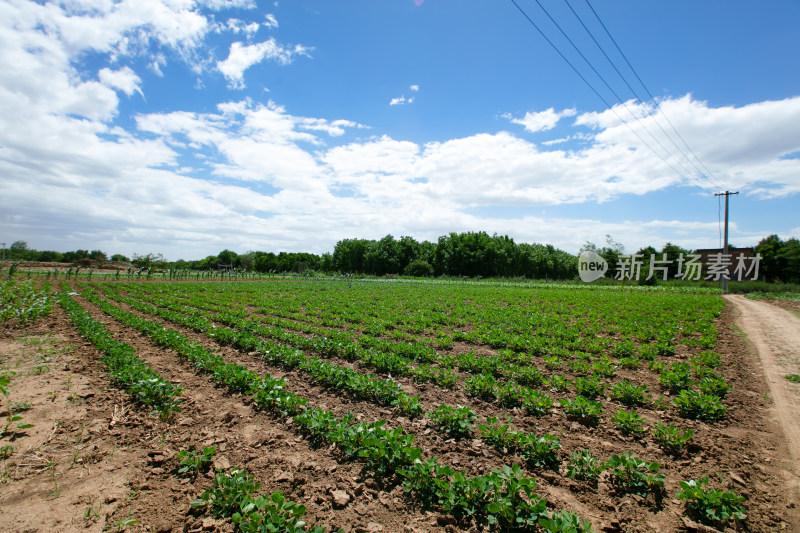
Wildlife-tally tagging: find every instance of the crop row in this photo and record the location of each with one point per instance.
(122, 363)
(515, 392)
(502, 499)
(362, 386)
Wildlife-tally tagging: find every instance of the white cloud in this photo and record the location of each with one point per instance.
(241, 57)
(235, 25)
(195, 182)
(123, 79)
(400, 100)
(219, 5)
(271, 21)
(541, 120)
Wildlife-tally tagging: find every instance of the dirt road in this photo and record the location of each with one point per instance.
(775, 334)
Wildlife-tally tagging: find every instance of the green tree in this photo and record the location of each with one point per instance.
(18, 251)
(673, 252)
(228, 258)
(120, 258)
(790, 259)
(151, 260)
(773, 262)
(418, 268)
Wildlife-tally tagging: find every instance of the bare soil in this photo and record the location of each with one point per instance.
(774, 333)
(93, 460)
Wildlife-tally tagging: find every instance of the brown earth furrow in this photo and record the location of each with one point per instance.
(265, 447)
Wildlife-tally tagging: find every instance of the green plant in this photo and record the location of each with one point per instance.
(629, 422)
(672, 438)
(589, 387)
(273, 513)
(714, 385)
(455, 421)
(631, 474)
(192, 462)
(699, 405)
(5, 381)
(10, 419)
(584, 465)
(537, 403)
(676, 377)
(558, 383)
(228, 491)
(539, 451)
(585, 410)
(794, 378)
(629, 362)
(6, 451)
(483, 386)
(565, 522)
(629, 394)
(710, 506)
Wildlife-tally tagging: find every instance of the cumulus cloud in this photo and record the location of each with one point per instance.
(123, 79)
(241, 57)
(252, 175)
(541, 120)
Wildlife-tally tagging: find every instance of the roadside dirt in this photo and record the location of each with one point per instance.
(775, 334)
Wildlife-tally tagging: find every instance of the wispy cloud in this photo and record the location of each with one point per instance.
(241, 57)
(400, 100)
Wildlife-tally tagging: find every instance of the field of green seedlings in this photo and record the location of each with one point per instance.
(475, 406)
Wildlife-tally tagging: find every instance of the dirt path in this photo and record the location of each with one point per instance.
(775, 334)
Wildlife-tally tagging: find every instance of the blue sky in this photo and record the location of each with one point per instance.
(185, 127)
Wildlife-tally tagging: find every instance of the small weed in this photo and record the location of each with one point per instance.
(192, 462)
(41, 369)
(794, 378)
(6, 451)
(21, 407)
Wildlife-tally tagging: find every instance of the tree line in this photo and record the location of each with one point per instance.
(471, 254)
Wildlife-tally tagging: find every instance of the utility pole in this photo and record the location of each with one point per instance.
(727, 195)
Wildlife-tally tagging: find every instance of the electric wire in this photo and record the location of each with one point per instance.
(708, 174)
(672, 165)
(702, 172)
(582, 77)
(617, 96)
(608, 86)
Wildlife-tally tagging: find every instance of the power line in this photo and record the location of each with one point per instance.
(581, 76)
(602, 79)
(681, 170)
(636, 94)
(708, 174)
